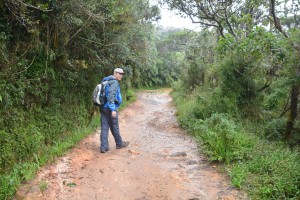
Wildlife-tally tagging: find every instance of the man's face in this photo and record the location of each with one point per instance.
(119, 76)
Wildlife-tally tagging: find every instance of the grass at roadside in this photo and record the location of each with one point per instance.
(266, 170)
(26, 171)
(129, 97)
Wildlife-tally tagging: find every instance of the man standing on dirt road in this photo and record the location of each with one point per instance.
(109, 112)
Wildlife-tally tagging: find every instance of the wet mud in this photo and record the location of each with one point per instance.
(162, 162)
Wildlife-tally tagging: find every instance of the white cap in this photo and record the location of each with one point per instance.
(119, 70)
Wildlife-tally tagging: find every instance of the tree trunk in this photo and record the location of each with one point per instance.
(293, 112)
(295, 87)
(293, 106)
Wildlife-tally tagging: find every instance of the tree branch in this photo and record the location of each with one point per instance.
(229, 25)
(276, 19)
(85, 25)
(25, 67)
(264, 87)
(286, 108)
(4, 56)
(34, 7)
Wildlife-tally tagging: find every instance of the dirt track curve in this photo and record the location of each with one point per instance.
(162, 162)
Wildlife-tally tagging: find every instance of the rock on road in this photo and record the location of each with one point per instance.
(162, 162)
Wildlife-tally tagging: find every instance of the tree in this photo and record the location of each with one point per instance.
(225, 16)
(295, 48)
(248, 28)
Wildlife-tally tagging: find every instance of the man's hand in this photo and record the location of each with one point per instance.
(114, 114)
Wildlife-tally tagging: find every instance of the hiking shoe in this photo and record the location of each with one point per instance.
(124, 144)
(104, 150)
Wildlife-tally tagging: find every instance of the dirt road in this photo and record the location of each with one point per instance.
(162, 162)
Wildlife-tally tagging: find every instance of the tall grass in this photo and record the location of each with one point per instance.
(222, 139)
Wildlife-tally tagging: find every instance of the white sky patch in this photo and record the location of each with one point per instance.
(171, 19)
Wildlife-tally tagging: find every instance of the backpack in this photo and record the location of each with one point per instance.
(99, 97)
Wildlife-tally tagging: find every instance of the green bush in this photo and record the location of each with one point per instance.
(9, 183)
(271, 173)
(222, 139)
(267, 170)
(185, 112)
(238, 174)
(274, 128)
(22, 171)
(212, 101)
(19, 146)
(7, 146)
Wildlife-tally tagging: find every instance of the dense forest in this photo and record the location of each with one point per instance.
(235, 83)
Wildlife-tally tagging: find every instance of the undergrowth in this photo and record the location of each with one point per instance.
(25, 171)
(266, 169)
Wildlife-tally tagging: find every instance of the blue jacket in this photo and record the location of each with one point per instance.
(113, 94)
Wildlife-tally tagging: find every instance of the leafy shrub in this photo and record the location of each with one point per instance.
(222, 139)
(7, 146)
(28, 170)
(274, 128)
(9, 184)
(11, 179)
(184, 113)
(212, 101)
(271, 173)
(28, 141)
(267, 170)
(129, 96)
(238, 174)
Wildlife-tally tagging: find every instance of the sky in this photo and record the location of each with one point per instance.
(170, 19)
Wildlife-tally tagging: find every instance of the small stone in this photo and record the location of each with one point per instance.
(192, 162)
(178, 154)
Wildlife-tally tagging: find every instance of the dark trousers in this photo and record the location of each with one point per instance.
(112, 123)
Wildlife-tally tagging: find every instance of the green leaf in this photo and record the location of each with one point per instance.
(72, 184)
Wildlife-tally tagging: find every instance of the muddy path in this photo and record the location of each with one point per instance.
(162, 162)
